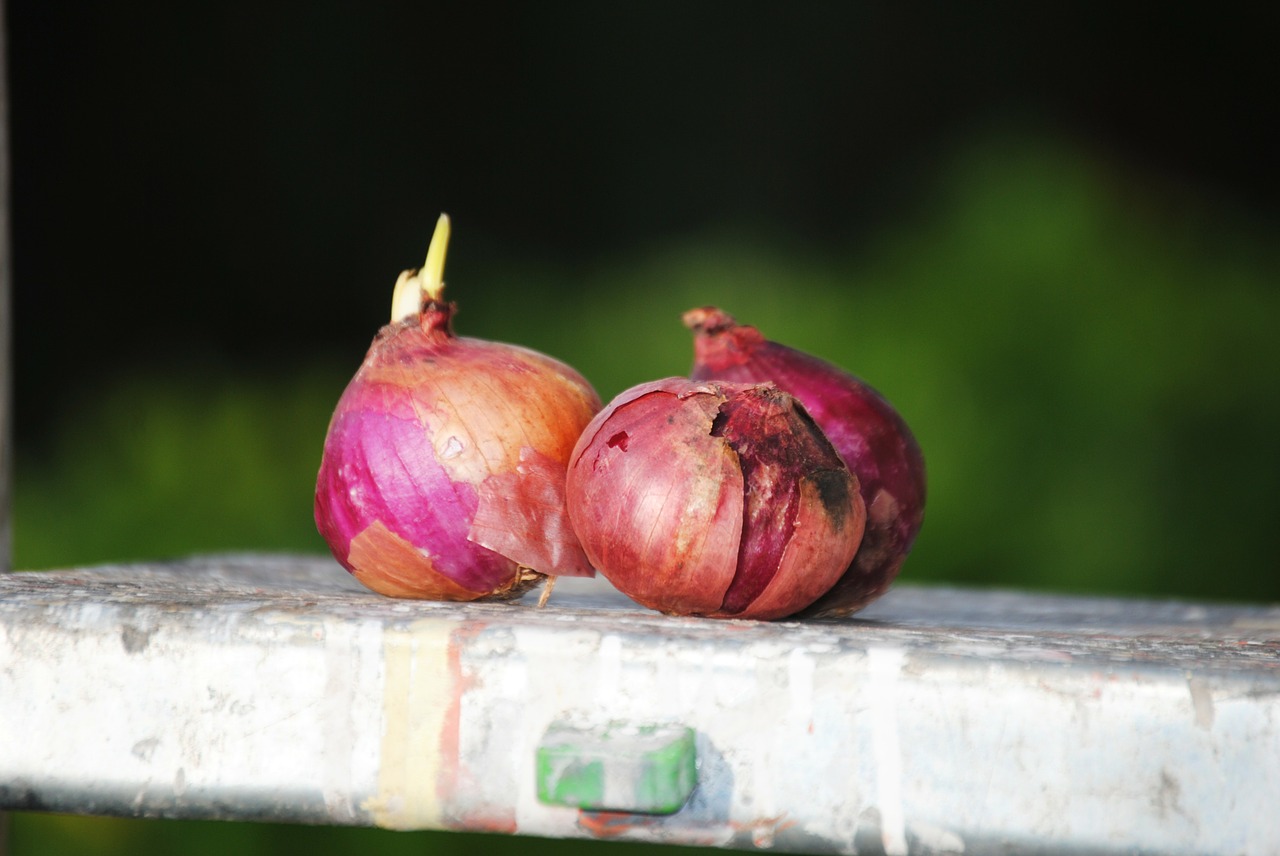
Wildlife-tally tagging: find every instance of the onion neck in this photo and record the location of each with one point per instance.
(417, 291)
(708, 319)
(719, 342)
(436, 318)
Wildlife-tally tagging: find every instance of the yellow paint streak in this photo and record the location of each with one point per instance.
(418, 691)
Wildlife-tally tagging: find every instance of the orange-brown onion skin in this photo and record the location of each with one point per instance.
(715, 499)
(869, 433)
(443, 469)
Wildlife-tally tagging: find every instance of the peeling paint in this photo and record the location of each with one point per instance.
(1201, 701)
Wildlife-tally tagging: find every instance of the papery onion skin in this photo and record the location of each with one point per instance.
(714, 499)
(442, 476)
(872, 437)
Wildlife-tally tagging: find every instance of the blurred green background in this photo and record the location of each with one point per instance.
(1048, 235)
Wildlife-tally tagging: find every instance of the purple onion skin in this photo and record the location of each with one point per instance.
(714, 499)
(443, 447)
(868, 432)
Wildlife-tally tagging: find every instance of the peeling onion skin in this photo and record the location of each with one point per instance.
(713, 499)
(442, 476)
(868, 432)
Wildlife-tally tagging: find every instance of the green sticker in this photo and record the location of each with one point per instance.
(643, 769)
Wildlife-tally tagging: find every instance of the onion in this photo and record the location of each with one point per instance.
(443, 467)
(715, 499)
(869, 434)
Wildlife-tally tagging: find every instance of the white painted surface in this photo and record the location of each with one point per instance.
(936, 722)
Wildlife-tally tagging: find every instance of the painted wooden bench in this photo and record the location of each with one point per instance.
(938, 720)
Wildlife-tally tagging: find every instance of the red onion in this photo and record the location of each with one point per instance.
(715, 499)
(443, 468)
(870, 435)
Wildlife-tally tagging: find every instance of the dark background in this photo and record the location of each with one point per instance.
(233, 181)
(1047, 232)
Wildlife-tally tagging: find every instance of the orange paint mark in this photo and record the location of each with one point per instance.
(764, 830)
(456, 785)
(611, 824)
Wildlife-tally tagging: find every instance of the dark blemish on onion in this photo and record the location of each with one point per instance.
(619, 441)
(833, 490)
(814, 429)
(718, 422)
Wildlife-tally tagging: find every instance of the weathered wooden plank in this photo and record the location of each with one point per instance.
(937, 721)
